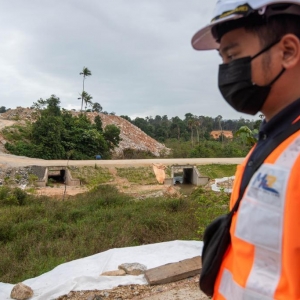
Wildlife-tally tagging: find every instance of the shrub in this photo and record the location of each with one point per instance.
(210, 206)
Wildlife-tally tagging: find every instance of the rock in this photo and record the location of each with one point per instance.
(114, 273)
(171, 191)
(21, 292)
(133, 268)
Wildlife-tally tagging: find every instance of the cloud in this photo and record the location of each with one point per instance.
(139, 52)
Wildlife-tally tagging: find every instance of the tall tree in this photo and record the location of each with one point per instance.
(85, 73)
(219, 119)
(98, 123)
(97, 107)
(112, 135)
(88, 100)
(3, 109)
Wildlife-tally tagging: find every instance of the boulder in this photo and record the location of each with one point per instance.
(21, 292)
(133, 268)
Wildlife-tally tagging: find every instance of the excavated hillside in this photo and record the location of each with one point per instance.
(132, 137)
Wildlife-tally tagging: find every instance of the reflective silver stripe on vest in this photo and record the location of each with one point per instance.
(290, 155)
(260, 222)
(230, 290)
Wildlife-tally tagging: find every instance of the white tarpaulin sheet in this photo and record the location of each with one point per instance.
(84, 273)
(216, 188)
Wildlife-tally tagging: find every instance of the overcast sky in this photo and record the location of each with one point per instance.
(139, 53)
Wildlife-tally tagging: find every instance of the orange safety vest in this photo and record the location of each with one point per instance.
(263, 260)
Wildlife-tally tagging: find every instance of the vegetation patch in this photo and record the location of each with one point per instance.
(91, 176)
(38, 233)
(216, 170)
(137, 154)
(141, 175)
(57, 134)
(210, 205)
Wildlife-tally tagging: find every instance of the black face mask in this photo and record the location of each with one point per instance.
(237, 88)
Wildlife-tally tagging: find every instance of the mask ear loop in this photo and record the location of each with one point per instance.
(266, 49)
(277, 77)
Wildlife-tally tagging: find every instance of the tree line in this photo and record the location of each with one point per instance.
(192, 128)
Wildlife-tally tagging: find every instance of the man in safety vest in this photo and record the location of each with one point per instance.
(259, 43)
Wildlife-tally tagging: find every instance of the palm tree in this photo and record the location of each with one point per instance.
(88, 100)
(85, 72)
(191, 125)
(219, 119)
(82, 97)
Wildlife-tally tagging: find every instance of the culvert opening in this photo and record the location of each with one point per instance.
(183, 176)
(57, 177)
(178, 178)
(188, 176)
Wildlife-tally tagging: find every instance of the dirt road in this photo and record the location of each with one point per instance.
(7, 160)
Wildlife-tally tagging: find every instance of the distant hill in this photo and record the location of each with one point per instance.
(132, 137)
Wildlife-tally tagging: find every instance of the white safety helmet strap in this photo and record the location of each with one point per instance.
(228, 10)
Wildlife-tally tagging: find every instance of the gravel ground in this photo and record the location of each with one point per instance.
(187, 289)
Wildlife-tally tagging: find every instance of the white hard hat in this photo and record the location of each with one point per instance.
(227, 10)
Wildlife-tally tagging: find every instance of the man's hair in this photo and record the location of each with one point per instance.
(275, 28)
(267, 29)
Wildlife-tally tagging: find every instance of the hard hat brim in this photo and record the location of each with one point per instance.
(204, 40)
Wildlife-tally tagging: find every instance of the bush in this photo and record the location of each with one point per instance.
(210, 206)
(10, 196)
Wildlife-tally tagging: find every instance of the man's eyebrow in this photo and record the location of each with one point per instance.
(222, 51)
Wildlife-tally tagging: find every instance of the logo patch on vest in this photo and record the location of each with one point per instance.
(266, 182)
(268, 185)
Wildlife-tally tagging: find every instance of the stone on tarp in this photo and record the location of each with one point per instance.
(133, 268)
(21, 292)
(159, 171)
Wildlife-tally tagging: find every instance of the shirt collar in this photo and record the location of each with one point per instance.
(280, 121)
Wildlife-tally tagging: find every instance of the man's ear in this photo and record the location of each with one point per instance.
(290, 47)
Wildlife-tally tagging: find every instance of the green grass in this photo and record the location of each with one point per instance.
(210, 206)
(91, 176)
(141, 175)
(217, 171)
(16, 132)
(38, 233)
